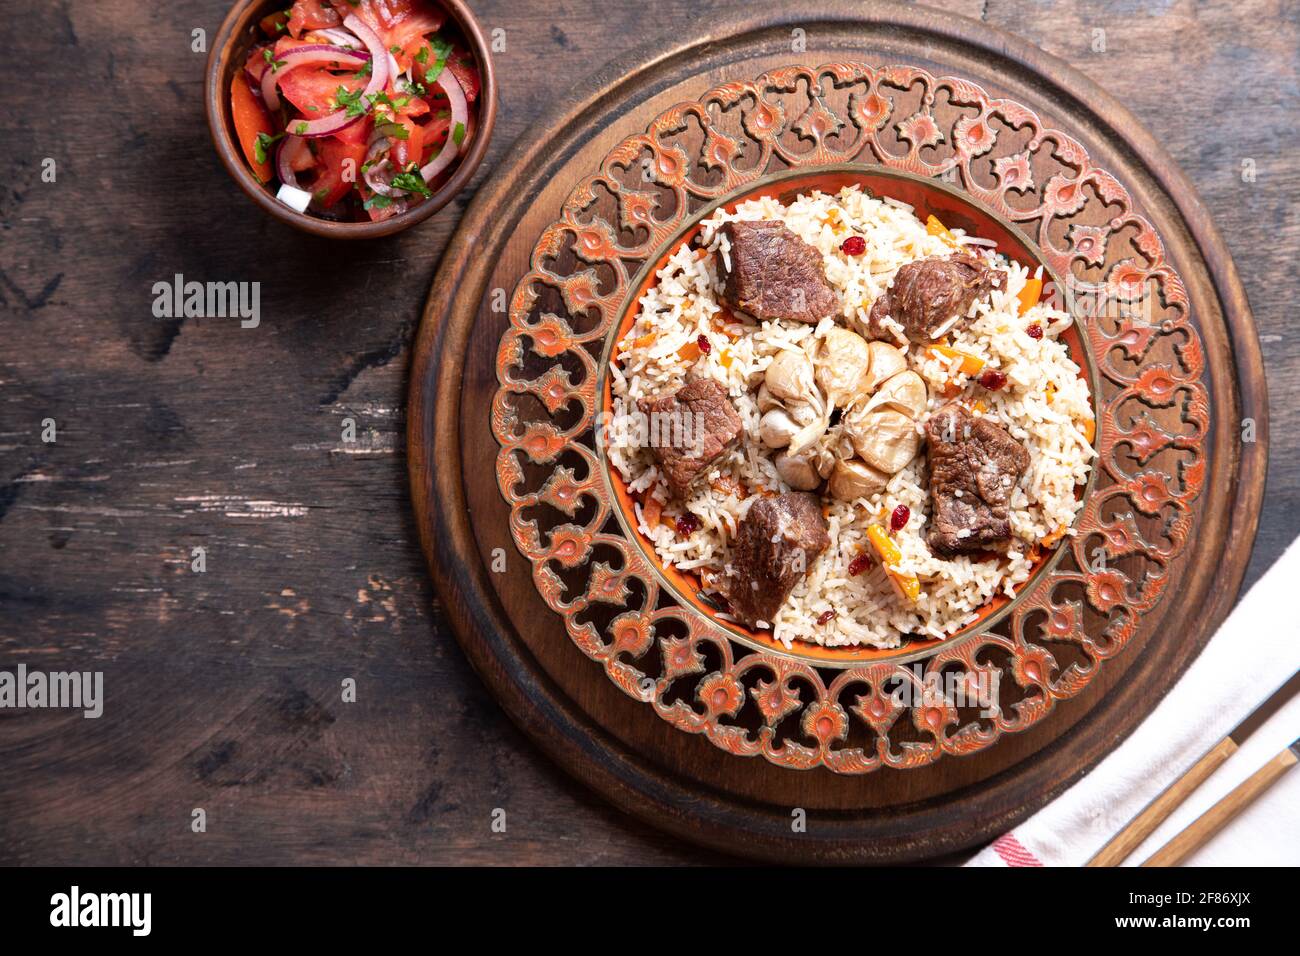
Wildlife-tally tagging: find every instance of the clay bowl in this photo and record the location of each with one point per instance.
(927, 197)
(237, 34)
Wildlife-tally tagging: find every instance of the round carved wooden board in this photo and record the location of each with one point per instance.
(502, 389)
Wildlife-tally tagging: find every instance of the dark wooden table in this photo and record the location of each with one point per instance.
(224, 689)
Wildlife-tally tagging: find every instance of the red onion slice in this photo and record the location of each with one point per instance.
(303, 56)
(335, 35)
(375, 180)
(459, 116)
(378, 54)
(336, 122)
(377, 147)
(282, 167)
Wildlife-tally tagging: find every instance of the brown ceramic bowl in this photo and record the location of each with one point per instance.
(229, 49)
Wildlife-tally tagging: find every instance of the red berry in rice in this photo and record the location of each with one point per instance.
(853, 246)
(704, 344)
(992, 379)
(858, 565)
(898, 520)
(687, 524)
(825, 617)
(1035, 331)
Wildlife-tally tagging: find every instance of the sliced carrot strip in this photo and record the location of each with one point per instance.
(935, 228)
(1030, 294)
(970, 364)
(884, 545)
(907, 584)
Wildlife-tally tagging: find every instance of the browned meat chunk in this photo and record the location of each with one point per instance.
(929, 294)
(690, 429)
(775, 275)
(974, 467)
(776, 544)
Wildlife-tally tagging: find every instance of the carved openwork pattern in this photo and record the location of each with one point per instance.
(1151, 433)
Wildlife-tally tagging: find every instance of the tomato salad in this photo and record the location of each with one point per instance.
(359, 108)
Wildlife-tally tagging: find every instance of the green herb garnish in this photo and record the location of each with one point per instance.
(351, 101)
(441, 50)
(412, 183)
(264, 142)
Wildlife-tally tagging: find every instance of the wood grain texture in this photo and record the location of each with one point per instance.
(223, 688)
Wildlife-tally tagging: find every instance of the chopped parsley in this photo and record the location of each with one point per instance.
(377, 202)
(411, 183)
(351, 101)
(441, 50)
(264, 142)
(269, 56)
(300, 128)
(458, 134)
(383, 100)
(393, 130)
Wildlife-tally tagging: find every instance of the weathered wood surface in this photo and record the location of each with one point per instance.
(223, 688)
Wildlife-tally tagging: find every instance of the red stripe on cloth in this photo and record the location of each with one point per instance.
(1012, 853)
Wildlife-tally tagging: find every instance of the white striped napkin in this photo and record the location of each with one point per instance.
(1255, 651)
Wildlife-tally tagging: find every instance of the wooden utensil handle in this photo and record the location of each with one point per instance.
(1157, 811)
(1218, 816)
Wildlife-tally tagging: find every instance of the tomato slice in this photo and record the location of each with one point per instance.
(250, 118)
(411, 149)
(256, 63)
(340, 165)
(274, 24)
(312, 15)
(400, 23)
(313, 90)
(414, 106)
(358, 132)
(463, 69)
(435, 134)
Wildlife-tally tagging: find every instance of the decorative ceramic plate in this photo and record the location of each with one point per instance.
(747, 138)
(545, 271)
